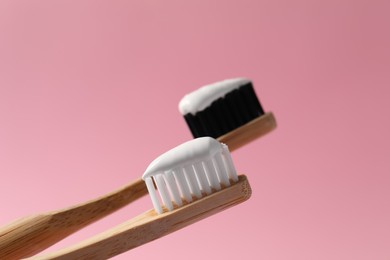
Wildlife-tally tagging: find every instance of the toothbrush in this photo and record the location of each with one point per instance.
(228, 110)
(33, 234)
(194, 180)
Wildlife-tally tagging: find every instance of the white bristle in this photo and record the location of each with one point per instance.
(191, 169)
(201, 174)
(192, 181)
(153, 195)
(172, 184)
(221, 170)
(183, 185)
(212, 175)
(162, 188)
(229, 163)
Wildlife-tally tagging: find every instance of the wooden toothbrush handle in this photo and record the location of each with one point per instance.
(249, 132)
(150, 226)
(31, 235)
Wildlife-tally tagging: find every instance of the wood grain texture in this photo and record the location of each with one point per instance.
(249, 132)
(30, 235)
(150, 226)
(33, 234)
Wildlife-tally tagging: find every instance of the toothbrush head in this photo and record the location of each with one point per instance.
(221, 107)
(188, 172)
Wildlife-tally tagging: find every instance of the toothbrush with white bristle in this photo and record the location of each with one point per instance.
(189, 169)
(188, 183)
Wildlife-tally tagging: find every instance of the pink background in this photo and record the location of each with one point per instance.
(89, 93)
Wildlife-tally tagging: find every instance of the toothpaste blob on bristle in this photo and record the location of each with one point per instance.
(216, 109)
(194, 168)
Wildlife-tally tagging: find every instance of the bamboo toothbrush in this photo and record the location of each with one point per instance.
(228, 110)
(31, 235)
(194, 180)
(200, 108)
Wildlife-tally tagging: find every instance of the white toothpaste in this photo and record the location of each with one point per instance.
(203, 97)
(190, 152)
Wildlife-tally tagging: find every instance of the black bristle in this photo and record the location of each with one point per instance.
(225, 114)
(235, 108)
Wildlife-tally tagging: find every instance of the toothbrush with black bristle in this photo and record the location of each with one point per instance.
(227, 110)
